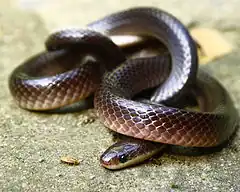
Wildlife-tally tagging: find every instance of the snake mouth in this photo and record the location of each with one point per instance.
(109, 160)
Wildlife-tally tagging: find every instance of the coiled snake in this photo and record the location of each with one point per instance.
(78, 63)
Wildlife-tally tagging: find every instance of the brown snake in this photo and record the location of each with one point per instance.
(79, 58)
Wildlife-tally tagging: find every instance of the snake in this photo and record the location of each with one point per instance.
(80, 62)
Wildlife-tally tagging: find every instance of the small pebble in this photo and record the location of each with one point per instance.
(41, 160)
(92, 177)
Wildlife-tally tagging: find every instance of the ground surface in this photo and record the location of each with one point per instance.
(31, 144)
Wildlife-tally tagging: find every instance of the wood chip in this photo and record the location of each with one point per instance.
(70, 160)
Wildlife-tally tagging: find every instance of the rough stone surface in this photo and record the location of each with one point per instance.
(31, 144)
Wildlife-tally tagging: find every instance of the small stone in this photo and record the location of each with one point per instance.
(41, 160)
(59, 175)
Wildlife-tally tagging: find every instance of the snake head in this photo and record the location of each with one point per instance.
(127, 153)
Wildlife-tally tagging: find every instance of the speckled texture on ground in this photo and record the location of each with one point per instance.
(31, 144)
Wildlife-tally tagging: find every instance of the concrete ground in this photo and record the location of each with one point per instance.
(31, 144)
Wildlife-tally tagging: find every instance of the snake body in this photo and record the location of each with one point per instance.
(176, 74)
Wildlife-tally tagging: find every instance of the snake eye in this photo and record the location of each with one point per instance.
(123, 158)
